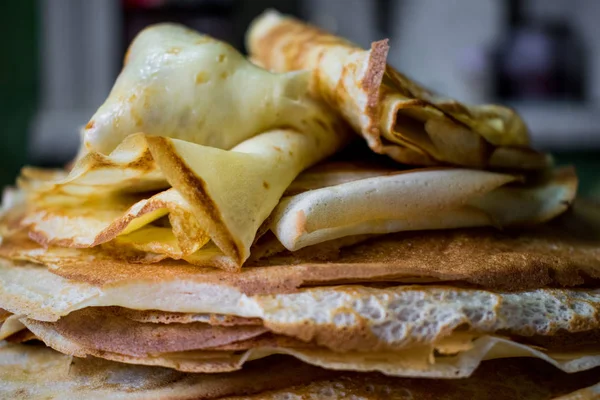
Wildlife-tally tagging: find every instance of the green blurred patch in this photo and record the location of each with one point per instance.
(18, 82)
(588, 170)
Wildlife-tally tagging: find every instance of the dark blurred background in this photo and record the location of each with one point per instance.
(60, 58)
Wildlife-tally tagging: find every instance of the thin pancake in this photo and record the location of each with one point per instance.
(181, 84)
(498, 380)
(10, 326)
(233, 192)
(96, 222)
(110, 329)
(57, 375)
(562, 253)
(353, 317)
(396, 116)
(451, 361)
(103, 331)
(35, 372)
(161, 317)
(421, 199)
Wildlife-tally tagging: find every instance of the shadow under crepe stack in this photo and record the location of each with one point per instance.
(222, 232)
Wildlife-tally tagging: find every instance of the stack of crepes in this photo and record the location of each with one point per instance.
(225, 231)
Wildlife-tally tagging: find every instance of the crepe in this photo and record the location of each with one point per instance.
(233, 192)
(178, 83)
(230, 208)
(192, 168)
(375, 200)
(39, 373)
(58, 375)
(395, 115)
(403, 331)
(417, 200)
(453, 357)
(181, 84)
(562, 253)
(220, 194)
(128, 168)
(363, 315)
(342, 317)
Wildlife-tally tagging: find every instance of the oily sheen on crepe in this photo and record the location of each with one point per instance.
(395, 115)
(175, 83)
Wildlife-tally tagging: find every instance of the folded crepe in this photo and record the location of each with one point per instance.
(175, 83)
(217, 194)
(331, 201)
(396, 116)
(420, 199)
(58, 375)
(178, 83)
(224, 195)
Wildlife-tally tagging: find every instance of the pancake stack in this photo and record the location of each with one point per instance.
(225, 231)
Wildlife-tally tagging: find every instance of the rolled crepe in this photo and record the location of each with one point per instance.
(395, 115)
(418, 200)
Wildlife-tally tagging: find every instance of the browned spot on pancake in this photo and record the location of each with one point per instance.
(300, 223)
(277, 148)
(174, 50)
(371, 83)
(224, 75)
(127, 55)
(201, 77)
(22, 336)
(4, 314)
(322, 123)
(90, 125)
(221, 58)
(265, 184)
(145, 162)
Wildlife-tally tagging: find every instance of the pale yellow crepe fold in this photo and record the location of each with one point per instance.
(418, 200)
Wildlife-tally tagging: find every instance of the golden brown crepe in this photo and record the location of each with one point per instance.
(395, 115)
(195, 346)
(352, 319)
